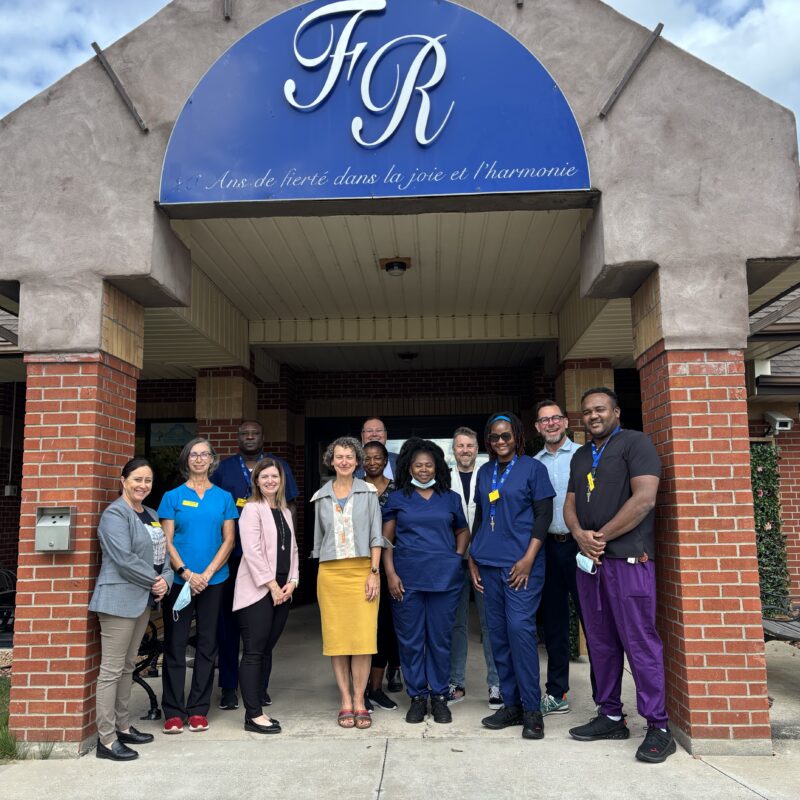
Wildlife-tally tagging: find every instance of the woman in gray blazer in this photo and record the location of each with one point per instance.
(134, 575)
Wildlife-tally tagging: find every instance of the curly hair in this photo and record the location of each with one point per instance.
(402, 473)
(349, 443)
(516, 428)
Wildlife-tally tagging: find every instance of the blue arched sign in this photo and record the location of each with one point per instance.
(373, 99)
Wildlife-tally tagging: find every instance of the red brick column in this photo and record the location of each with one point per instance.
(694, 408)
(574, 378)
(789, 469)
(79, 431)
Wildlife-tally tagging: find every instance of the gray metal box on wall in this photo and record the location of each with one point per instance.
(53, 529)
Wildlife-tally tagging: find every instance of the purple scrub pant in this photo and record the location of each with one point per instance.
(619, 617)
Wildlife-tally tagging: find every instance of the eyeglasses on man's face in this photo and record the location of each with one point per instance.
(373, 430)
(200, 456)
(556, 418)
(506, 436)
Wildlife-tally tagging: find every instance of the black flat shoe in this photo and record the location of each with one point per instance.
(116, 752)
(134, 737)
(255, 727)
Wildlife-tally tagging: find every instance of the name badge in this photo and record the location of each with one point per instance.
(241, 502)
(494, 496)
(590, 481)
(190, 503)
(154, 524)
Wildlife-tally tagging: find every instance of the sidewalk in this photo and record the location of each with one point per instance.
(315, 759)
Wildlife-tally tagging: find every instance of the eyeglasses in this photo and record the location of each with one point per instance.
(506, 436)
(199, 456)
(373, 430)
(548, 420)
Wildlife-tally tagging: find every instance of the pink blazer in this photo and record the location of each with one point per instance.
(260, 553)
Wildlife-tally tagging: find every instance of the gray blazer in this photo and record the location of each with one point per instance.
(126, 573)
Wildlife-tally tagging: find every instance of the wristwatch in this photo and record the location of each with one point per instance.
(374, 570)
(181, 570)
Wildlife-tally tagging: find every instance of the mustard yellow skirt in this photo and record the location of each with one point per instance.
(349, 622)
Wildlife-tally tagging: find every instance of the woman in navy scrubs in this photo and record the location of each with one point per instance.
(513, 511)
(424, 523)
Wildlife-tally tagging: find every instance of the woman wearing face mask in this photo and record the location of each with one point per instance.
(265, 582)
(198, 522)
(513, 511)
(425, 523)
(134, 575)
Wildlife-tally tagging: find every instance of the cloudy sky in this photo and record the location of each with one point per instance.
(756, 41)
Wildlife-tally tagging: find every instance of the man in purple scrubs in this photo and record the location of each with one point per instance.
(609, 510)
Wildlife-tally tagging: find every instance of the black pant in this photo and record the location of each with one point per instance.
(559, 584)
(204, 607)
(388, 650)
(261, 625)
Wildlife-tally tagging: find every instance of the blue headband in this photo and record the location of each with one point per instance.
(500, 416)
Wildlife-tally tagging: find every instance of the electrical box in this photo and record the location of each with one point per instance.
(54, 530)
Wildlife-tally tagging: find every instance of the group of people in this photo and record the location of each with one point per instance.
(402, 541)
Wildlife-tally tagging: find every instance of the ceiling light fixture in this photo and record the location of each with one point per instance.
(395, 266)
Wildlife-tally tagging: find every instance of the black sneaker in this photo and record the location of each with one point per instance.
(394, 681)
(657, 746)
(532, 725)
(503, 718)
(600, 727)
(381, 700)
(418, 709)
(228, 700)
(439, 710)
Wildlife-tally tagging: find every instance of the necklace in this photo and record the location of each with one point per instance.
(281, 526)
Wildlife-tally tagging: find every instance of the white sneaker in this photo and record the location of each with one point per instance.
(495, 698)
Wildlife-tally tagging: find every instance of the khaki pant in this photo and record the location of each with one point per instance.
(120, 638)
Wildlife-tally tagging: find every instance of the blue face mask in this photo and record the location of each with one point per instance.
(415, 482)
(184, 598)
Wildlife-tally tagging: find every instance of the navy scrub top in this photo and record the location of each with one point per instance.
(425, 554)
(513, 522)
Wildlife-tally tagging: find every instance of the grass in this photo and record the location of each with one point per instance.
(8, 742)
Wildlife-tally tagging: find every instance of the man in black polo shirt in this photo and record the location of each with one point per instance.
(609, 510)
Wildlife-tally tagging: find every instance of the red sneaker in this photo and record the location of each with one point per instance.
(173, 725)
(198, 723)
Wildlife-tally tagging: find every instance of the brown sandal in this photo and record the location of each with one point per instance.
(362, 719)
(346, 718)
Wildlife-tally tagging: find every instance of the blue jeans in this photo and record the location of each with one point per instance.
(458, 651)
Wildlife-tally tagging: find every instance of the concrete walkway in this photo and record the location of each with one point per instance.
(315, 759)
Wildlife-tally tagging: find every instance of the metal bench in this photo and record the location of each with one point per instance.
(781, 622)
(149, 652)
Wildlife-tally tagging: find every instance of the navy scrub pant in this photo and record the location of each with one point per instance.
(424, 622)
(560, 583)
(511, 619)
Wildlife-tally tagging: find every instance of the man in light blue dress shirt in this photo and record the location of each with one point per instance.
(560, 551)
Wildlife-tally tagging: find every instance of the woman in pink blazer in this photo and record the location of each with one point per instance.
(267, 577)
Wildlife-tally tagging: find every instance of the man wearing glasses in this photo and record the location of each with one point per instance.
(560, 551)
(233, 475)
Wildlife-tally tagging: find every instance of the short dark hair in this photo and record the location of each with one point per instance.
(250, 422)
(375, 445)
(134, 464)
(256, 495)
(543, 403)
(516, 428)
(610, 393)
(402, 473)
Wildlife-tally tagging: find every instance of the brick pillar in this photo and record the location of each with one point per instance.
(694, 408)
(789, 469)
(574, 378)
(79, 431)
(225, 397)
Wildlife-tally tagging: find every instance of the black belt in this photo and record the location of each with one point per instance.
(560, 537)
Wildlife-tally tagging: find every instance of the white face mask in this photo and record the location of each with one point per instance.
(415, 482)
(585, 563)
(184, 598)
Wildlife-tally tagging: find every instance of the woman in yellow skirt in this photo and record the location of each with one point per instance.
(348, 543)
